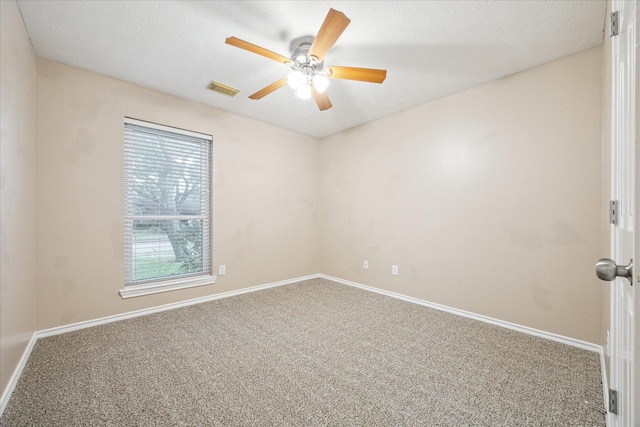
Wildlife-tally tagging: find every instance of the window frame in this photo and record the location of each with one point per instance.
(167, 283)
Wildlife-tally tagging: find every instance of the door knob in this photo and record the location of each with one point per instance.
(607, 269)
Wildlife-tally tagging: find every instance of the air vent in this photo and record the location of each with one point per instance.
(223, 89)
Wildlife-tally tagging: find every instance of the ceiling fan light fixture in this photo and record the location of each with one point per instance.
(307, 76)
(296, 79)
(320, 82)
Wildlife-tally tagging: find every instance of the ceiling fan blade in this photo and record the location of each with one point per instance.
(321, 99)
(233, 41)
(267, 90)
(362, 74)
(332, 27)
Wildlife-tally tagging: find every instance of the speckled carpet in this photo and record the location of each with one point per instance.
(307, 354)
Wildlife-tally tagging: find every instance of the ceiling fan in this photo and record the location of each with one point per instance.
(307, 60)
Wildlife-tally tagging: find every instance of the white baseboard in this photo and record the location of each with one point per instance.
(101, 321)
(6, 394)
(524, 329)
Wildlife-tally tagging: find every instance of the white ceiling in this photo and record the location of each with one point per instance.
(430, 48)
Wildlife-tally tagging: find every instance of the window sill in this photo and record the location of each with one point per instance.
(170, 285)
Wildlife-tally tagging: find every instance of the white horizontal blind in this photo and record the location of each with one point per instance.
(167, 179)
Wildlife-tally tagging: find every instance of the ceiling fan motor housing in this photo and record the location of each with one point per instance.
(300, 54)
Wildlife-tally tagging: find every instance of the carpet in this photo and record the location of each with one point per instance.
(313, 353)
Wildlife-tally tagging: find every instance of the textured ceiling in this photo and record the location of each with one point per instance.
(430, 48)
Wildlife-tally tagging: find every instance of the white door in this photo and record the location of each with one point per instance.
(623, 235)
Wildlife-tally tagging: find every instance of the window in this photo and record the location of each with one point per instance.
(167, 180)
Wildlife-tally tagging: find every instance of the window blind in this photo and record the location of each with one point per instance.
(167, 180)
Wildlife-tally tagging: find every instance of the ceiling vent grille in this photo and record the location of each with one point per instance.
(223, 89)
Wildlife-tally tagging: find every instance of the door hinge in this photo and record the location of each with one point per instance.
(613, 212)
(614, 23)
(613, 401)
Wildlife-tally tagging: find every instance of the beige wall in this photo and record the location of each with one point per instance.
(488, 200)
(485, 199)
(264, 196)
(17, 190)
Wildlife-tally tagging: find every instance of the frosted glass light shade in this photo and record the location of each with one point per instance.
(296, 79)
(320, 82)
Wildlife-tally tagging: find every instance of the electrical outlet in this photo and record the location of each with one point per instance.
(365, 264)
(222, 270)
(394, 270)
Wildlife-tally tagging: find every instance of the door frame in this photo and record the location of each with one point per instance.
(633, 122)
